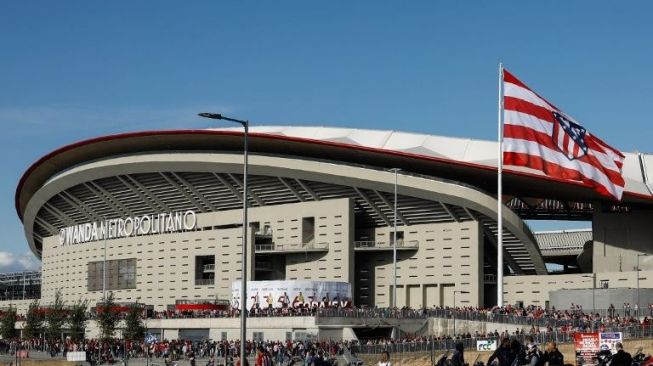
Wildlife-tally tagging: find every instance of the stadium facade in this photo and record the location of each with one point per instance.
(163, 208)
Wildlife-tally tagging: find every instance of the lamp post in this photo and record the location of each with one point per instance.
(454, 309)
(638, 304)
(104, 262)
(243, 282)
(394, 242)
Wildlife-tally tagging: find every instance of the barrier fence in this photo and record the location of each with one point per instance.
(428, 345)
(544, 320)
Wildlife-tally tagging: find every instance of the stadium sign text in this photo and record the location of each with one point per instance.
(486, 345)
(162, 223)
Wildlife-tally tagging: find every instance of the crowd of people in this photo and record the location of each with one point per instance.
(169, 351)
(548, 320)
(537, 324)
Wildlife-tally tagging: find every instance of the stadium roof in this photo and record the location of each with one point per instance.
(562, 242)
(463, 160)
(468, 164)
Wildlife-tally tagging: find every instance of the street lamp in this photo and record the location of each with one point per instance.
(454, 308)
(243, 281)
(394, 243)
(638, 304)
(104, 262)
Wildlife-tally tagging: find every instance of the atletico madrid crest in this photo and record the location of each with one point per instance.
(569, 136)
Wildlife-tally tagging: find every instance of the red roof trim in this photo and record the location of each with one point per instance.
(72, 146)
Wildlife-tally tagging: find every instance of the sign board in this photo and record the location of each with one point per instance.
(162, 223)
(486, 345)
(150, 338)
(609, 341)
(587, 345)
(76, 356)
(283, 294)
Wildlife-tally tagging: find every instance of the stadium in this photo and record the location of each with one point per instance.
(163, 209)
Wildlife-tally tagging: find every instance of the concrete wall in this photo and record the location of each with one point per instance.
(273, 328)
(165, 267)
(333, 228)
(602, 298)
(619, 237)
(21, 306)
(534, 290)
(449, 257)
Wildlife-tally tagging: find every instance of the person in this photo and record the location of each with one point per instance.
(533, 354)
(516, 354)
(552, 356)
(385, 359)
(458, 358)
(502, 354)
(621, 358)
(191, 358)
(262, 357)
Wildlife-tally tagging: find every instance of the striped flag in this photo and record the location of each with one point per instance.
(540, 136)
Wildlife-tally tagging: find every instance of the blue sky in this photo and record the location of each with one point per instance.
(78, 69)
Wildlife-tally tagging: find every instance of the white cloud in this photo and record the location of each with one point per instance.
(12, 262)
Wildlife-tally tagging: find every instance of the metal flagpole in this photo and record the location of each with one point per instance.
(243, 282)
(499, 192)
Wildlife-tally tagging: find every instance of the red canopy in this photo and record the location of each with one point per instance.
(195, 307)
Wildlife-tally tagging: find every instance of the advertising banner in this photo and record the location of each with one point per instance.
(587, 345)
(486, 345)
(76, 356)
(283, 294)
(609, 340)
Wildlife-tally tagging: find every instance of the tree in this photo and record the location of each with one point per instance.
(55, 317)
(77, 320)
(8, 323)
(134, 328)
(33, 321)
(107, 317)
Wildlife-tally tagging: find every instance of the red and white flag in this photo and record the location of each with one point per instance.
(540, 136)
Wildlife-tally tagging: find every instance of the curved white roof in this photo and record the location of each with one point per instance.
(637, 170)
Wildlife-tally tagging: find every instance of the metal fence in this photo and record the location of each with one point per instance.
(544, 320)
(433, 344)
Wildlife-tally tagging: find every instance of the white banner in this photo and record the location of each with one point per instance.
(482, 346)
(76, 356)
(608, 341)
(295, 294)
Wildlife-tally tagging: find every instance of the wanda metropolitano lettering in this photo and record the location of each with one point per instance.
(161, 223)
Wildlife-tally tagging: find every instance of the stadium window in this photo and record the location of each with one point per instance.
(204, 270)
(308, 230)
(120, 274)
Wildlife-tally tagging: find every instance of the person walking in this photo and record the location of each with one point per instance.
(385, 359)
(621, 358)
(501, 356)
(458, 358)
(552, 355)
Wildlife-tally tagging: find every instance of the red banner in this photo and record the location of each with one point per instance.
(199, 307)
(587, 345)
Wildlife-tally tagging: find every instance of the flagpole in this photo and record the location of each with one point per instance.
(499, 192)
